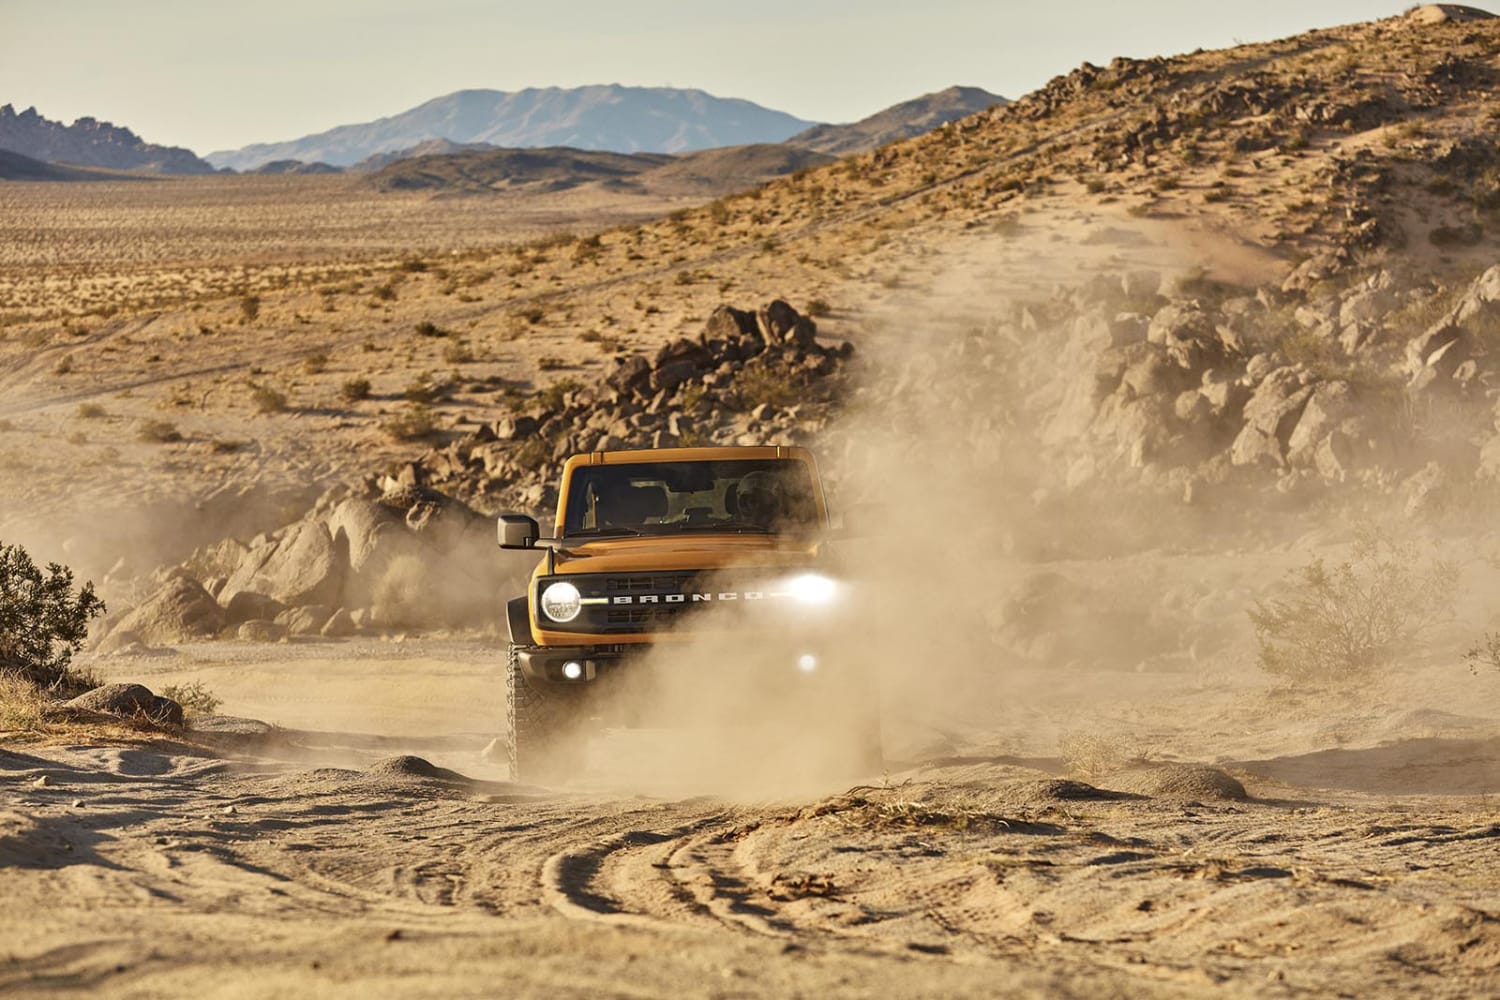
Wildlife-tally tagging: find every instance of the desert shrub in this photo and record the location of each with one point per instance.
(194, 698)
(250, 308)
(419, 392)
(354, 390)
(552, 397)
(550, 362)
(458, 353)
(158, 432)
(1346, 622)
(64, 365)
(817, 308)
(427, 328)
(43, 620)
(315, 364)
(756, 384)
(266, 399)
(90, 411)
(385, 292)
(412, 424)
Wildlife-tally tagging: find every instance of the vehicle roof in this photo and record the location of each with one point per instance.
(719, 453)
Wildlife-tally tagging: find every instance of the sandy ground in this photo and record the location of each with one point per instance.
(317, 860)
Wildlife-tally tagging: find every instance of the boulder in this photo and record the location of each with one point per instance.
(631, 373)
(260, 631)
(116, 699)
(671, 375)
(514, 427)
(339, 626)
(306, 565)
(306, 620)
(180, 611)
(246, 606)
(782, 324)
(731, 325)
(1327, 407)
(361, 525)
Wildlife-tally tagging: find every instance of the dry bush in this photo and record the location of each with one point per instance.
(756, 384)
(354, 390)
(91, 411)
(250, 308)
(413, 424)
(315, 364)
(266, 399)
(158, 432)
(1345, 622)
(1094, 755)
(194, 698)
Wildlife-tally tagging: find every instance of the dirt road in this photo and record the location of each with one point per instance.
(366, 849)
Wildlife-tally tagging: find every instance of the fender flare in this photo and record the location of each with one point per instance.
(518, 618)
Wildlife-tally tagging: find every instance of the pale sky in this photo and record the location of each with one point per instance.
(219, 75)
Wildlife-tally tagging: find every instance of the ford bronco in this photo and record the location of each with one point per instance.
(652, 547)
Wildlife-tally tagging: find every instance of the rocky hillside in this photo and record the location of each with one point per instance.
(622, 119)
(900, 121)
(91, 143)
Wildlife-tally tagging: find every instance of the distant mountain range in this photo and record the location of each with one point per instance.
(615, 118)
(478, 140)
(91, 143)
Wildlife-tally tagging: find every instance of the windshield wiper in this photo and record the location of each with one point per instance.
(616, 529)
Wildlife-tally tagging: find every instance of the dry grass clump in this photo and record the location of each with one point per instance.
(23, 706)
(91, 411)
(870, 808)
(158, 432)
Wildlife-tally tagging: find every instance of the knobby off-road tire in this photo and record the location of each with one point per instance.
(543, 728)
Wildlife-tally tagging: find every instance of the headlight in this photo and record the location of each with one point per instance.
(561, 602)
(812, 588)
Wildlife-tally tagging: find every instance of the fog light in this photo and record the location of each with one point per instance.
(572, 670)
(807, 663)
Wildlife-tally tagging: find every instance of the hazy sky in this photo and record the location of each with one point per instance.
(214, 75)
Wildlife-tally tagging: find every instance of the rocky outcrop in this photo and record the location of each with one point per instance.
(91, 143)
(180, 610)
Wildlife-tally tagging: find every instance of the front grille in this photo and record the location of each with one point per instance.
(668, 596)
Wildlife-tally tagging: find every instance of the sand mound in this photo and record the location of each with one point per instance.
(407, 766)
(1033, 793)
(1179, 781)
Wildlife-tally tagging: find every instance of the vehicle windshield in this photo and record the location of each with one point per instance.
(663, 498)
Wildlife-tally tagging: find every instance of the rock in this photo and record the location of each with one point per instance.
(1141, 284)
(339, 626)
(514, 427)
(305, 566)
(165, 712)
(1327, 407)
(180, 611)
(1426, 490)
(1178, 781)
(306, 620)
(261, 631)
(730, 325)
(782, 324)
(1435, 343)
(116, 699)
(362, 526)
(671, 375)
(1270, 417)
(247, 605)
(631, 374)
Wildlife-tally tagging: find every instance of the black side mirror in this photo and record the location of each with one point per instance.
(517, 531)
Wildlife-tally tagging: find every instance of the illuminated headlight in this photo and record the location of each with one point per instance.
(812, 588)
(561, 602)
(572, 670)
(807, 663)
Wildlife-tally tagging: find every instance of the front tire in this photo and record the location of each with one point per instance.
(544, 727)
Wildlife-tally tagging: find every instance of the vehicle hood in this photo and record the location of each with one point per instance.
(687, 552)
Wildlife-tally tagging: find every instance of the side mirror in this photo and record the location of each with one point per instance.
(517, 531)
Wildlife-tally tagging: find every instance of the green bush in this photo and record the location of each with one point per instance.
(1348, 621)
(43, 621)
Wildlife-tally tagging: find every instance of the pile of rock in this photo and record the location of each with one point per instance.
(749, 378)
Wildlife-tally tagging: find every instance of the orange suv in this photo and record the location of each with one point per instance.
(658, 546)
